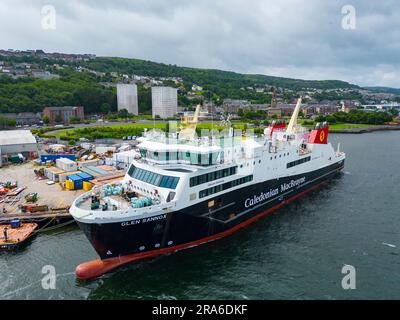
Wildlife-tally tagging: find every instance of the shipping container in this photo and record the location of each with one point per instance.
(101, 171)
(66, 164)
(77, 180)
(54, 157)
(87, 163)
(85, 176)
(107, 168)
(93, 173)
(53, 173)
(69, 185)
(62, 177)
(87, 186)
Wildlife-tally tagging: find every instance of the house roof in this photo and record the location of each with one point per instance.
(11, 137)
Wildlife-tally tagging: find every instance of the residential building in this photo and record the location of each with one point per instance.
(257, 107)
(233, 106)
(64, 113)
(274, 112)
(24, 118)
(164, 101)
(127, 97)
(325, 109)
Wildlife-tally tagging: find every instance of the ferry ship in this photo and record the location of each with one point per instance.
(183, 190)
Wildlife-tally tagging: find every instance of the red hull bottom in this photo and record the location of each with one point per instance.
(96, 268)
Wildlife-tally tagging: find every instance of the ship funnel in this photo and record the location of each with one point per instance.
(293, 120)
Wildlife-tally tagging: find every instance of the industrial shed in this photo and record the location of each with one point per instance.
(14, 142)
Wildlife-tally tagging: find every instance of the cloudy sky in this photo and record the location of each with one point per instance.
(308, 39)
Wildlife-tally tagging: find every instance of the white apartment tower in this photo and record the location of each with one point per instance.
(164, 101)
(127, 98)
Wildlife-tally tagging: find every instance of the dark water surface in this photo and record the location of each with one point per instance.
(297, 253)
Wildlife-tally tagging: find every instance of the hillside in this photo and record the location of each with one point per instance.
(25, 93)
(209, 78)
(383, 90)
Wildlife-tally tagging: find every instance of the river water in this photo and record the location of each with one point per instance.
(297, 253)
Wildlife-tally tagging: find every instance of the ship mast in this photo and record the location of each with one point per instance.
(293, 120)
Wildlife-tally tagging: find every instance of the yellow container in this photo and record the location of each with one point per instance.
(87, 186)
(69, 184)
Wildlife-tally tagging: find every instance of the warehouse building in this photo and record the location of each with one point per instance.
(17, 142)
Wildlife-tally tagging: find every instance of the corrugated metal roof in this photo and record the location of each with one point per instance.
(16, 137)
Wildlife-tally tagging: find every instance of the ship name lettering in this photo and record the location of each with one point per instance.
(260, 198)
(292, 184)
(144, 220)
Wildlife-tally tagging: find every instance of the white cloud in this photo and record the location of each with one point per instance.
(292, 38)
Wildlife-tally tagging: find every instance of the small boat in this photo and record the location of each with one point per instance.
(15, 234)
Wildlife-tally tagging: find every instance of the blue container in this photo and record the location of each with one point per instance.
(78, 181)
(15, 223)
(85, 176)
(54, 157)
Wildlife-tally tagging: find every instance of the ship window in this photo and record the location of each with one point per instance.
(146, 176)
(297, 162)
(143, 153)
(211, 176)
(164, 182)
(150, 177)
(175, 182)
(157, 180)
(225, 186)
(131, 170)
(153, 178)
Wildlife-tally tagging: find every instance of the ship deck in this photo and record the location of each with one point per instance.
(119, 202)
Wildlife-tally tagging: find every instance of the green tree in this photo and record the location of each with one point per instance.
(394, 112)
(74, 120)
(123, 113)
(46, 120)
(105, 107)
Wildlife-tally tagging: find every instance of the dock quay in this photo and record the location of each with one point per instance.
(43, 194)
(41, 218)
